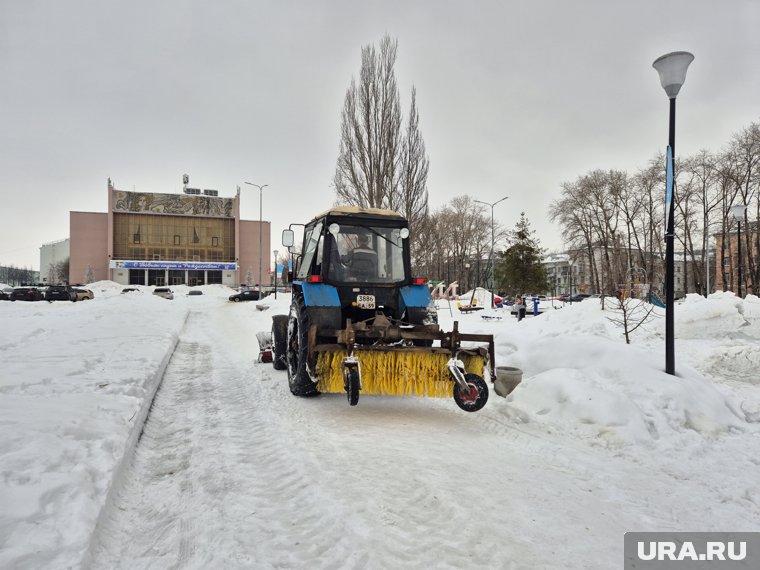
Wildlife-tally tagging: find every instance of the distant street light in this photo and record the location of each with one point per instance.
(490, 256)
(672, 70)
(261, 223)
(275, 273)
(737, 211)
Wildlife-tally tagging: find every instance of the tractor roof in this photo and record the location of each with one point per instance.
(356, 212)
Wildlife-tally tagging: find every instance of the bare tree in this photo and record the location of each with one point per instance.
(62, 271)
(630, 314)
(452, 237)
(745, 151)
(413, 196)
(380, 164)
(370, 143)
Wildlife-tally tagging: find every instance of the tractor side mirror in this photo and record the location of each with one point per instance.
(288, 238)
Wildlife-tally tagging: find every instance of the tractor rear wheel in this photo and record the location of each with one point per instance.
(299, 380)
(477, 396)
(279, 342)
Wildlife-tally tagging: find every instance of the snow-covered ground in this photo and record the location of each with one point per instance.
(232, 471)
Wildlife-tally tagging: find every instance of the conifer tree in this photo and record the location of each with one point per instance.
(519, 270)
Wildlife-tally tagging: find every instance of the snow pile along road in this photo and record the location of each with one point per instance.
(75, 385)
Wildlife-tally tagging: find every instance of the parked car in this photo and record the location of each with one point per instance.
(83, 294)
(164, 292)
(26, 294)
(60, 293)
(5, 294)
(130, 290)
(245, 296)
(194, 292)
(579, 297)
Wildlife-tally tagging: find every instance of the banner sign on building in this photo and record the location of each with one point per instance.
(175, 265)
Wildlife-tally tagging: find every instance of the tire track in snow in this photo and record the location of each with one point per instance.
(213, 483)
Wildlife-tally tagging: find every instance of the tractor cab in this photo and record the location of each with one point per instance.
(361, 256)
(345, 246)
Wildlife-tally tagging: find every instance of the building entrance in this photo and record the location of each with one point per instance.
(196, 278)
(137, 277)
(157, 277)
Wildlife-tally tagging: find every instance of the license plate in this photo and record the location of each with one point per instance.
(365, 301)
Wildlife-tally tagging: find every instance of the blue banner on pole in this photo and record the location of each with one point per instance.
(668, 186)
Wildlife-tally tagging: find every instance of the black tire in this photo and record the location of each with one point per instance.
(279, 342)
(299, 380)
(352, 386)
(235, 300)
(472, 402)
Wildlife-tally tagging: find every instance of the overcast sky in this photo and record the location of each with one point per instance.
(515, 98)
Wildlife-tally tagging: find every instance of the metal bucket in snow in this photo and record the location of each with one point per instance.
(507, 379)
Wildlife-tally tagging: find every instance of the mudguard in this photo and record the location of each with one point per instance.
(319, 294)
(414, 296)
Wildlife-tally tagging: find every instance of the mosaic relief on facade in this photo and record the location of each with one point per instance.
(176, 204)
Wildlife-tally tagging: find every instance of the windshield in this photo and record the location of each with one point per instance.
(364, 253)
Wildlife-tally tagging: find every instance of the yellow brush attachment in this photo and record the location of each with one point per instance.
(395, 373)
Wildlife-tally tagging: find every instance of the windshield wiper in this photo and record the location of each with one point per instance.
(378, 234)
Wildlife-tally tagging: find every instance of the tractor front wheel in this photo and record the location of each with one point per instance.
(474, 399)
(352, 386)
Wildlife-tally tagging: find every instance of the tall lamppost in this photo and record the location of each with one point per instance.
(261, 238)
(490, 256)
(737, 211)
(275, 273)
(672, 70)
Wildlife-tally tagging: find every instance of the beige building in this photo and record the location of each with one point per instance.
(193, 238)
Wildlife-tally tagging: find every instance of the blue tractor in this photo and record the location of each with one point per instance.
(359, 321)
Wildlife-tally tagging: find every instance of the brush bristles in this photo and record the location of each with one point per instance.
(395, 373)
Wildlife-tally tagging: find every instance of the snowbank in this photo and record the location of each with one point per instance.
(580, 377)
(77, 380)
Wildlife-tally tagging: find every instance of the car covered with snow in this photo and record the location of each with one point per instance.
(164, 292)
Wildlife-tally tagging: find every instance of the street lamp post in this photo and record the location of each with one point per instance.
(261, 238)
(737, 211)
(275, 273)
(490, 256)
(672, 70)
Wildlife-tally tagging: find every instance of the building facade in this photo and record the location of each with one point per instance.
(726, 276)
(145, 238)
(53, 256)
